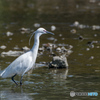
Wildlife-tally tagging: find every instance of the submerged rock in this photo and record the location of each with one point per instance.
(59, 62)
(11, 53)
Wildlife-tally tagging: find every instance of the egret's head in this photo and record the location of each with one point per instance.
(39, 32)
(43, 31)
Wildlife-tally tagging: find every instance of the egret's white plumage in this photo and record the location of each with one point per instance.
(25, 62)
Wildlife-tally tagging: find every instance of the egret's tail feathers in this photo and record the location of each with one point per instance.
(1, 73)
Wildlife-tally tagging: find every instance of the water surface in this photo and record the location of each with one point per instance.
(83, 74)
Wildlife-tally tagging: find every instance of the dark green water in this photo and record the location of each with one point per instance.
(83, 74)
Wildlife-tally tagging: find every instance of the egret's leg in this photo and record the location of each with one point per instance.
(13, 79)
(21, 80)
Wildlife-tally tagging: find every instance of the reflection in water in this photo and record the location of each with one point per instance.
(59, 73)
(12, 95)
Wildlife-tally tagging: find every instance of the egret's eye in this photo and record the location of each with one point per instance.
(44, 30)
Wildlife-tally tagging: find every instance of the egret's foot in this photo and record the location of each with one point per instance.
(20, 83)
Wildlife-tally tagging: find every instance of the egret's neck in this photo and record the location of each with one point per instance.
(36, 44)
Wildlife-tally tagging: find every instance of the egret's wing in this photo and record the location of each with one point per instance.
(18, 65)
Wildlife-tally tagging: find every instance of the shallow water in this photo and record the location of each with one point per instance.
(83, 74)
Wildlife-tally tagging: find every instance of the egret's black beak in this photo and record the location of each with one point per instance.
(49, 32)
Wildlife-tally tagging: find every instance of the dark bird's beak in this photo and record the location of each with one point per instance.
(49, 32)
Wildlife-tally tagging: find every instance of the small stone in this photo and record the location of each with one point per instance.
(98, 46)
(3, 47)
(81, 26)
(52, 54)
(70, 46)
(25, 30)
(53, 28)
(95, 35)
(76, 23)
(91, 46)
(63, 38)
(9, 33)
(81, 38)
(41, 49)
(95, 42)
(49, 48)
(69, 51)
(58, 49)
(10, 38)
(25, 48)
(73, 31)
(16, 48)
(92, 57)
(89, 42)
(60, 35)
(36, 25)
(51, 38)
(87, 49)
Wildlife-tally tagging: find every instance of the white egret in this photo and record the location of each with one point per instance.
(26, 61)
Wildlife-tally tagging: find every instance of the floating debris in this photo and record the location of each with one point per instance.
(9, 33)
(53, 28)
(3, 47)
(58, 62)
